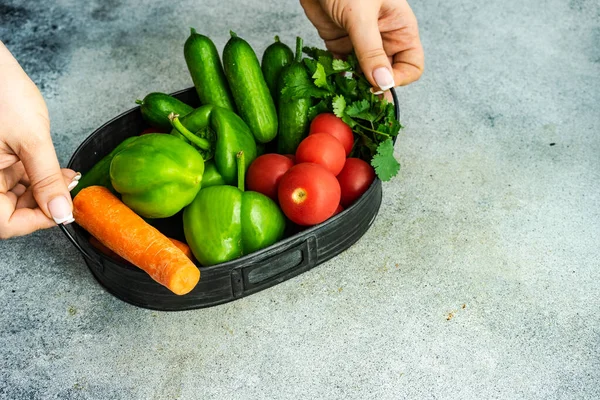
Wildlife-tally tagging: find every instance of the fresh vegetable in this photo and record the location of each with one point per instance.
(198, 123)
(211, 176)
(225, 222)
(339, 87)
(152, 130)
(277, 56)
(308, 194)
(265, 172)
(323, 149)
(116, 226)
(231, 134)
(204, 64)
(156, 107)
(329, 123)
(292, 112)
(157, 175)
(338, 210)
(355, 178)
(108, 252)
(99, 174)
(250, 91)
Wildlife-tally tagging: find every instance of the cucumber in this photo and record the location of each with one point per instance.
(277, 56)
(204, 65)
(293, 113)
(250, 91)
(156, 107)
(99, 173)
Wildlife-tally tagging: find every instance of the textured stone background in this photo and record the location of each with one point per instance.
(478, 280)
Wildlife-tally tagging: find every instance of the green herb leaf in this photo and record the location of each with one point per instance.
(319, 108)
(339, 104)
(320, 77)
(361, 109)
(340, 65)
(385, 164)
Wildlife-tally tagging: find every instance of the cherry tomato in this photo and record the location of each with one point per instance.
(355, 178)
(324, 149)
(329, 123)
(264, 173)
(338, 210)
(308, 194)
(152, 130)
(291, 157)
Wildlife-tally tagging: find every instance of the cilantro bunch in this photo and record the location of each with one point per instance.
(338, 86)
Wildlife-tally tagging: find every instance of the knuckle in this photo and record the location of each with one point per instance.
(371, 54)
(47, 182)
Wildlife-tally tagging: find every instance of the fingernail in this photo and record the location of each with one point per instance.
(61, 210)
(384, 78)
(77, 176)
(378, 92)
(73, 184)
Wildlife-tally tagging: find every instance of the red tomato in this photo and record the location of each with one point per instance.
(324, 149)
(291, 157)
(152, 130)
(338, 210)
(308, 194)
(355, 179)
(329, 123)
(265, 172)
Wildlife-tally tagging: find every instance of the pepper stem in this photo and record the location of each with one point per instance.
(298, 49)
(176, 123)
(241, 170)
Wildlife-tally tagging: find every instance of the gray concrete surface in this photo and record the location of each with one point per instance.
(478, 280)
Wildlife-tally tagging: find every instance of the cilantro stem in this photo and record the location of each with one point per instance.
(373, 130)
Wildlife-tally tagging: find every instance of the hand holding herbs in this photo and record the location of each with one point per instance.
(339, 87)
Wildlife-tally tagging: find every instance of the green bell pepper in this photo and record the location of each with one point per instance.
(220, 132)
(225, 222)
(157, 175)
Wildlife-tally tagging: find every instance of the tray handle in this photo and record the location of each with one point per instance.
(78, 247)
(276, 269)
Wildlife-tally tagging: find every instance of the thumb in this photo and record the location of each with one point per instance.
(46, 179)
(363, 30)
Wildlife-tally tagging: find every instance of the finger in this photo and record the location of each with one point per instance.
(19, 189)
(19, 222)
(408, 65)
(10, 176)
(49, 188)
(363, 30)
(14, 194)
(27, 200)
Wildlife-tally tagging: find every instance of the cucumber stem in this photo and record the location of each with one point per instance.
(192, 31)
(176, 123)
(277, 38)
(232, 34)
(298, 49)
(241, 170)
(140, 102)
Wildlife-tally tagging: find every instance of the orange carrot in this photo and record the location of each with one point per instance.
(117, 227)
(108, 252)
(183, 247)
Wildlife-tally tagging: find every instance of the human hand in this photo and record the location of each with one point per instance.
(383, 33)
(34, 191)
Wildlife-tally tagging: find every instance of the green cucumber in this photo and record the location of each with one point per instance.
(156, 107)
(99, 175)
(250, 91)
(293, 113)
(277, 56)
(203, 62)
